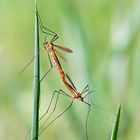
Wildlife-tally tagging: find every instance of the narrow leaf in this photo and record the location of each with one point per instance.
(116, 125)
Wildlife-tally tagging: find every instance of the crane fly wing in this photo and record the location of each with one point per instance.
(60, 55)
(71, 82)
(63, 48)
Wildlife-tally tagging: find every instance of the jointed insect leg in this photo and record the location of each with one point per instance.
(43, 28)
(59, 92)
(86, 89)
(48, 70)
(33, 57)
(49, 108)
(89, 107)
(50, 104)
(57, 117)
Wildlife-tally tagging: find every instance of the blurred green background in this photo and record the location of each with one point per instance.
(105, 38)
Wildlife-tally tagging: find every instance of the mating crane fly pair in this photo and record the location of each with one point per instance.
(50, 47)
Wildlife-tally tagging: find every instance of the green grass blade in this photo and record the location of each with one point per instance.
(36, 82)
(116, 125)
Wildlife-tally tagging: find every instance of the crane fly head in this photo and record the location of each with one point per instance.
(48, 45)
(45, 44)
(79, 96)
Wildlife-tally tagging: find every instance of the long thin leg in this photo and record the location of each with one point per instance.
(59, 92)
(99, 107)
(64, 93)
(55, 38)
(86, 89)
(57, 117)
(42, 27)
(29, 63)
(49, 105)
(48, 70)
(49, 108)
(71, 82)
(104, 109)
(89, 106)
(26, 65)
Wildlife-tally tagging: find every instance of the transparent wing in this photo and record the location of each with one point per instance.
(60, 55)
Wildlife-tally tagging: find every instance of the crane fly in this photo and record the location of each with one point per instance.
(74, 94)
(50, 47)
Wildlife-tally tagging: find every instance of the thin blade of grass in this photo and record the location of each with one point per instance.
(116, 125)
(36, 82)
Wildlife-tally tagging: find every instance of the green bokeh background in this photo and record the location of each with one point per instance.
(105, 38)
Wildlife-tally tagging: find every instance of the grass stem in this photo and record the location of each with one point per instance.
(36, 82)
